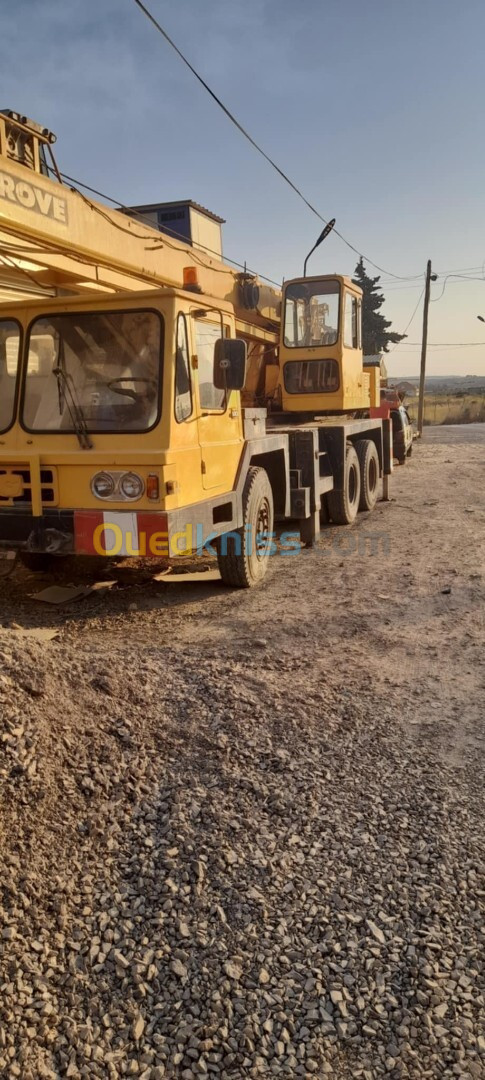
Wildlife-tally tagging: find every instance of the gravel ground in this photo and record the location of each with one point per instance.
(241, 834)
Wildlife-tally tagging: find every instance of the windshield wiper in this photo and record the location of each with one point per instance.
(74, 409)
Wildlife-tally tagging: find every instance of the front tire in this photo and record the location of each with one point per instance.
(343, 505)
(244, 554)
(369, 473)
(37, 561)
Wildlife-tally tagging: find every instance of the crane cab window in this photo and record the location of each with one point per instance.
(101, 368)
(9, 360)
(183, 392)
(311, 314)
(311, 376)
(206, 335)
(351, 322)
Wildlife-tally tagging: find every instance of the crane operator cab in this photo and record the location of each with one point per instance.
(321, 363)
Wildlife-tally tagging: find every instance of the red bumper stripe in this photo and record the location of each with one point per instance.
(85, 524)
(97, 532)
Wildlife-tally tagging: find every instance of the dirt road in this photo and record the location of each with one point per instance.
(241, 831)
(453, 433)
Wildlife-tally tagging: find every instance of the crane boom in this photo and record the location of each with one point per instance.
(54, 237)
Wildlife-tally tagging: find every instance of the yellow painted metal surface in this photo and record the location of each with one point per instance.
(53, 235)
(374, 375)
(196, 458)
(11, 484)
(352, 392)
(53, 238)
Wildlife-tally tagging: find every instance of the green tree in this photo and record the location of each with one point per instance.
(376, 336)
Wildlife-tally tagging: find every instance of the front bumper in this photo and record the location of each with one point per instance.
(18, 529)
(126, 533)
(86, 532)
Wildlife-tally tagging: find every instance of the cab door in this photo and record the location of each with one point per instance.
(219, 421)
(184, 437)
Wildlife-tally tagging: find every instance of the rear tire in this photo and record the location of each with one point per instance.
(369, 473)
(343, 505)
(242, 559)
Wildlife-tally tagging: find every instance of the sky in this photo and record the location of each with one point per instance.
(374, 109)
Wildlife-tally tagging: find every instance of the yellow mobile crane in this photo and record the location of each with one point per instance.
(136, 378)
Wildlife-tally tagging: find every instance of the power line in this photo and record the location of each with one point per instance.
(441, 273)
(137, 214)
(402, 288)
(436, 298)
(467, 272)
(409, 323)
(444, 344)
(256, 145)
(461, 269)
(462, 277)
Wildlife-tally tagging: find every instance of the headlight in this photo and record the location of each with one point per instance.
(102, 485)
(131, 486)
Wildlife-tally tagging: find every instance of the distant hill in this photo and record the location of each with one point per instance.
(443, 383)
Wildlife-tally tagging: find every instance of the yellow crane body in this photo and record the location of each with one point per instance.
(135, 379)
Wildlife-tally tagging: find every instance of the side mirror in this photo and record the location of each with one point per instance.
(230, 355)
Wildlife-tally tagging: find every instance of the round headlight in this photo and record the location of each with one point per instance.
(102, 485)
(131, 485)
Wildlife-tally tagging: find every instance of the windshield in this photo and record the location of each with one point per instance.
(9, 361)
(311, 313)
(100, 368)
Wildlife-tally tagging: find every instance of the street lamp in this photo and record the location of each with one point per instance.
(328, 228)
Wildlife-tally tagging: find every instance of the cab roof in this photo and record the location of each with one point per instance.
(342, 278)
(92, 298)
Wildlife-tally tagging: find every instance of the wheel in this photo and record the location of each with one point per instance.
(369, 473)
(243, 555)
(343, 505)
(38, 561)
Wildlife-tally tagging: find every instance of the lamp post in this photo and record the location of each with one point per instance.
(328, 228)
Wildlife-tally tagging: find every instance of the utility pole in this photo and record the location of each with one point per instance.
(429, 278)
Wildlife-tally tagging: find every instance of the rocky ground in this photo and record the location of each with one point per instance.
(241, 833)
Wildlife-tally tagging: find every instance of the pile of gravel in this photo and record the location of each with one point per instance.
(206, 873)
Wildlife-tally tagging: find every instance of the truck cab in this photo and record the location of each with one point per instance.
(110, 404)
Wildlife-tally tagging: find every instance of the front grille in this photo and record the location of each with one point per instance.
(15, 477)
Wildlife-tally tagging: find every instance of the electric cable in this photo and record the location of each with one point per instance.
(256, 145)
(409, 323)
(445, 344)
(19, 269)
(462, 277)
(137, 214)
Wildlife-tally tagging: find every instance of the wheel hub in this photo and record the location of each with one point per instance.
(262, 530)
